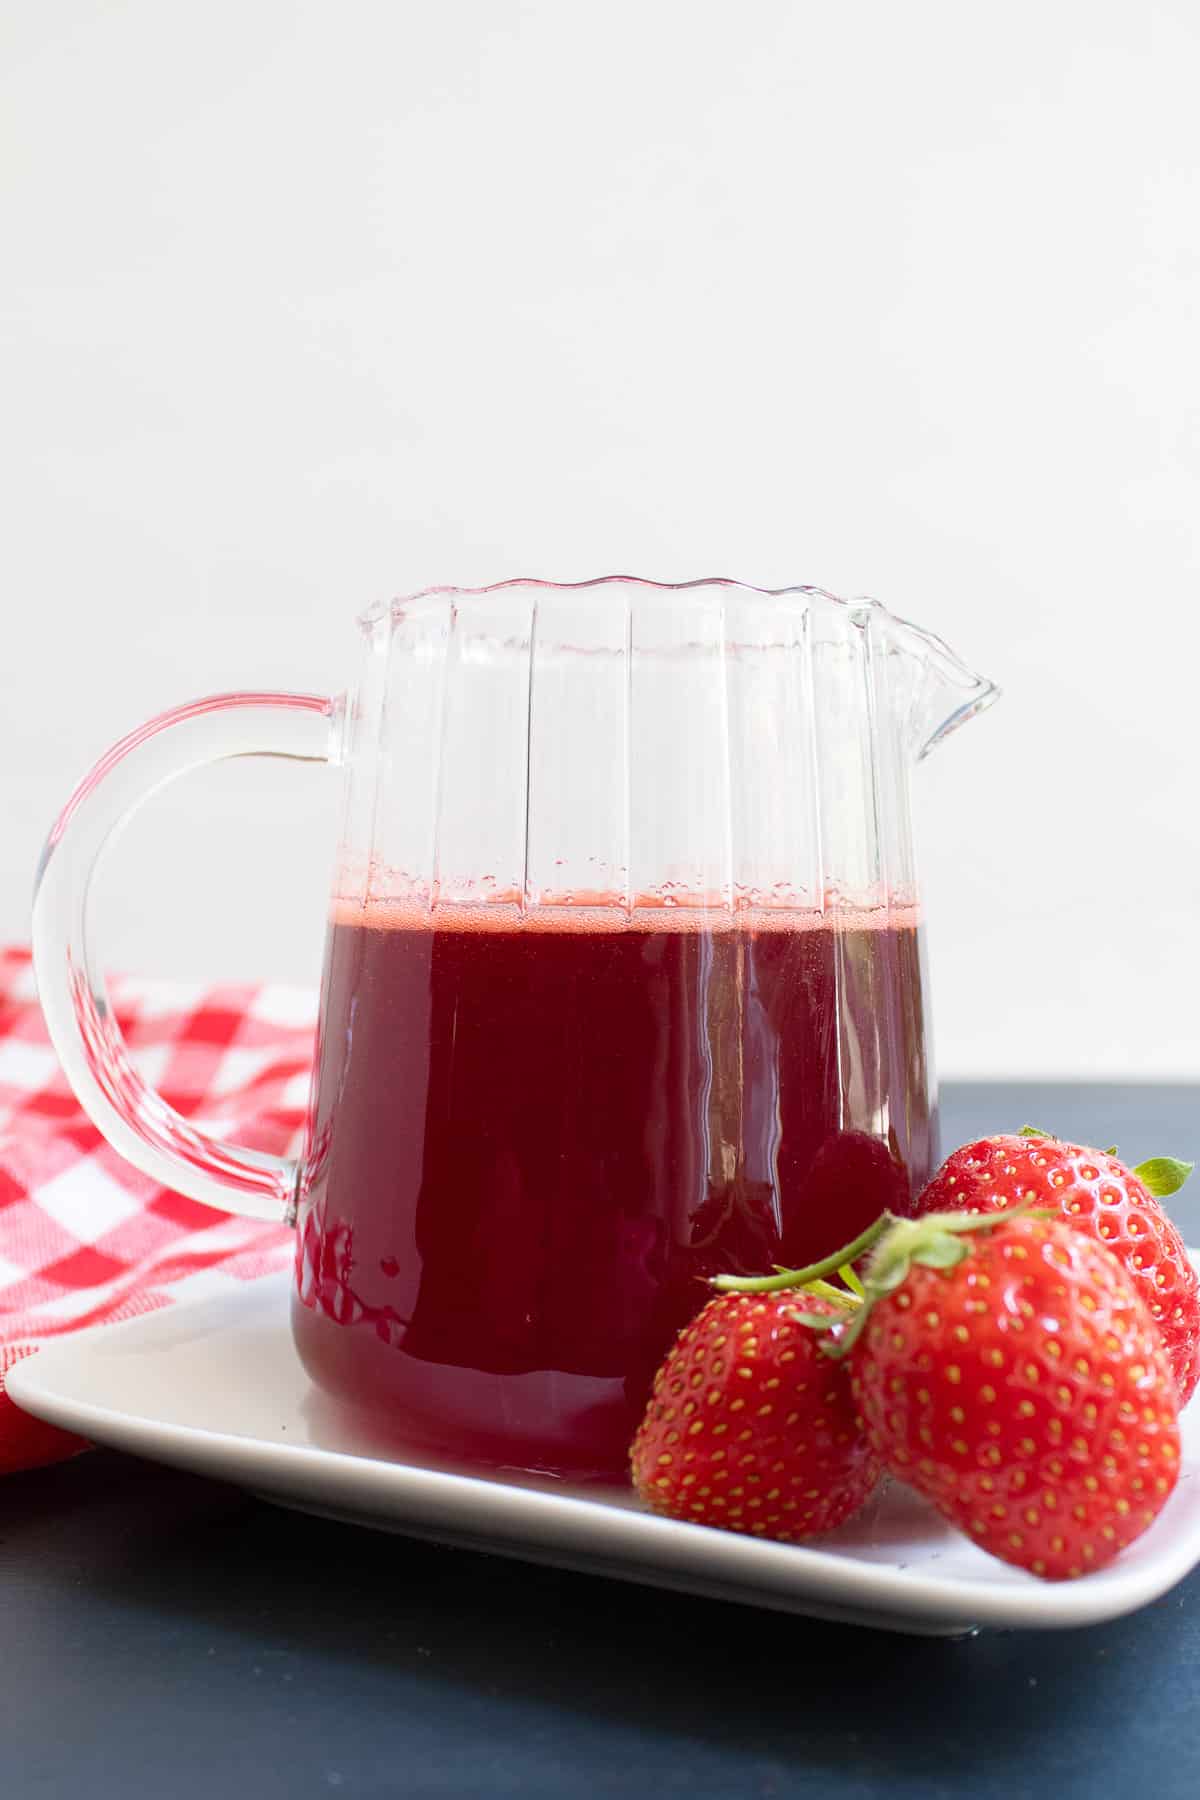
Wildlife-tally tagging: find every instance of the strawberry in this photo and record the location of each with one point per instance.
(750, 1426)
(1100, 1196)
(1009, 1370)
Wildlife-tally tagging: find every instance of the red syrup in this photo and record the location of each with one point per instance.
(532, 1141)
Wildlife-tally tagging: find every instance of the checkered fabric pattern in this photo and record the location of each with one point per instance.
(84, 1238)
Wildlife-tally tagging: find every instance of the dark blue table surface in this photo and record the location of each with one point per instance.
(164, 1635)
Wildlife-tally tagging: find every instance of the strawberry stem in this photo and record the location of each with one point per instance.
(790, 1278)
(851, 1280)
(827, 1291)
(936, 1241)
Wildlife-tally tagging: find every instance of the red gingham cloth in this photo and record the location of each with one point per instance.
(84, 1238)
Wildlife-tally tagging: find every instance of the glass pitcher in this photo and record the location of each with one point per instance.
(624, 986)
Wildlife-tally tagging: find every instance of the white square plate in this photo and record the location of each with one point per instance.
(215, 1386)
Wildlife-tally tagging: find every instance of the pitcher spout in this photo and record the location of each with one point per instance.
(944, 692)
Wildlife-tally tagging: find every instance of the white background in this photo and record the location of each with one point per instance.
(306, 304)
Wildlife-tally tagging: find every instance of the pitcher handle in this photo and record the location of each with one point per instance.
(135, 1119)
